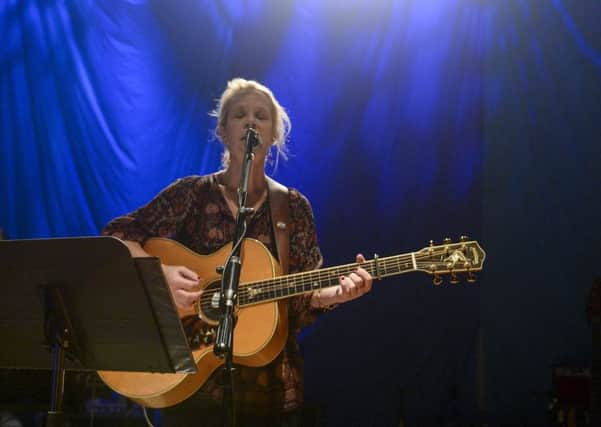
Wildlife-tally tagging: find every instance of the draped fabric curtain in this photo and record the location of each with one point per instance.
(540, 197)
(397, 108)
(104, 103)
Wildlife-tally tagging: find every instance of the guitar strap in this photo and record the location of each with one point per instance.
(279, 204)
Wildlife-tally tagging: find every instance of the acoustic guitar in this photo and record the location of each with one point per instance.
(262, 328)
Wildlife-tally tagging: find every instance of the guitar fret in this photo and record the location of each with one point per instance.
(392, 266)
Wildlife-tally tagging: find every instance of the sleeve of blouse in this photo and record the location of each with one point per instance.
(161, 217)
(305, 255)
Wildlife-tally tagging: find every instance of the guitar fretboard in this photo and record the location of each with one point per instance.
(301, 283)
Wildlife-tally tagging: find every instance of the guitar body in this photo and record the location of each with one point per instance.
(259, 336)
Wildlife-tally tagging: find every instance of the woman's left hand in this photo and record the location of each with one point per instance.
(350, 287)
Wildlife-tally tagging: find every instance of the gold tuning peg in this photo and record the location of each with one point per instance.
(454, 279)
(464, 238)
(437, 280)
(471, 277)
(447, 240)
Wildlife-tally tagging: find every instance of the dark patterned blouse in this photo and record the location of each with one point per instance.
(194, 212)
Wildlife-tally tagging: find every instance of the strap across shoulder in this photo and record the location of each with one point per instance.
(280, 218)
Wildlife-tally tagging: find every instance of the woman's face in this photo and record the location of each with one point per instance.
(250, 109)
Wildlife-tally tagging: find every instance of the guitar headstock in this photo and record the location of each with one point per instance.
(465, 256)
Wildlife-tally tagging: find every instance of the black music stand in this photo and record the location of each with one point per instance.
(89, 300)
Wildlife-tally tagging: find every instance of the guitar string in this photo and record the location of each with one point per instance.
(307, 277)
(388, 263)
(302, 279)
(277, 284)
(285, 289)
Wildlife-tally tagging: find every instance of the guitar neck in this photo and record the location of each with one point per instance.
(450, 258)
(301, 283)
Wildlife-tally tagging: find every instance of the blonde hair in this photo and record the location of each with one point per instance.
(281, 121)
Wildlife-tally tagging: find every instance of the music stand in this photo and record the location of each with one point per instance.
(87, 299)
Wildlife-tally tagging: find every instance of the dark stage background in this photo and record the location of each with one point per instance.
(412, 120)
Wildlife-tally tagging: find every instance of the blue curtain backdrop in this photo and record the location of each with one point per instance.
(540, 197)
(412, 120)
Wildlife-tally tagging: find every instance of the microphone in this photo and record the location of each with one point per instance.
(251, 139)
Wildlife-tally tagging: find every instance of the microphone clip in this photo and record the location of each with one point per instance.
(251, 139)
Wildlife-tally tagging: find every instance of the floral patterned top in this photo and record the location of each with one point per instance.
(193, 211)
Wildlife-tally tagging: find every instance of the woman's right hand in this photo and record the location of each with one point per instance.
(183, 284)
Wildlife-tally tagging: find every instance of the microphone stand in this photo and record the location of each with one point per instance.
(228, 298)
